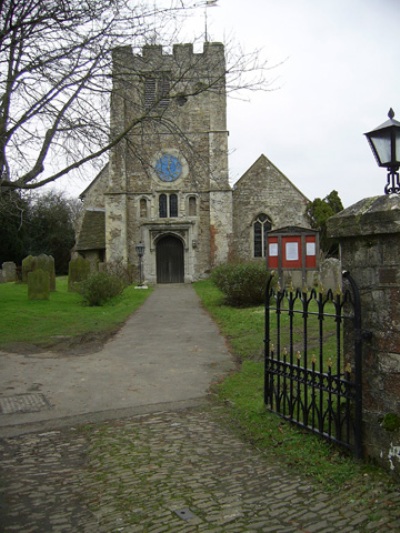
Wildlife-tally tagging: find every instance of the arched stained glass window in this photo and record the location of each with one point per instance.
(261, 227)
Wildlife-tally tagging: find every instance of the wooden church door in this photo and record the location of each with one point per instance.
(170, 260)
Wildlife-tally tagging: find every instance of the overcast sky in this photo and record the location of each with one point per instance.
(339, 77)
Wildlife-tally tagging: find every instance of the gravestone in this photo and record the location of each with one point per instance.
(78, 271)
(9, 270)
(38, 285)
(46, 263)
(42, 261)
(28, 265)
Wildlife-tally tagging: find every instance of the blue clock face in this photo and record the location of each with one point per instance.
(168, 168)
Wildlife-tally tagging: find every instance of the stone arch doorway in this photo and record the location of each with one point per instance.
(170, 260)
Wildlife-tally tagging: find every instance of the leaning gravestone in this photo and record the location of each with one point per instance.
(38, 285)
(78, 271)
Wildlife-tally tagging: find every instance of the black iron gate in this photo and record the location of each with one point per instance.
(313, 360)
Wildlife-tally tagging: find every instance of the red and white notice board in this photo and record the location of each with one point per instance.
(293, 249)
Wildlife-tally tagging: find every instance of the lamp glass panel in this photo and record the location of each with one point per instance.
(397, 143)
(381, 144)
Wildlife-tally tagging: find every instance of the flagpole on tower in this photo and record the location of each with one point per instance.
(207, 4)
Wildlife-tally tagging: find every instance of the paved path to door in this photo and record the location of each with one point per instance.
(168, 352)
(110, 462)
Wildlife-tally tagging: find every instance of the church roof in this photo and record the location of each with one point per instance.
(92, 233)
(263, 166)
(103, 174)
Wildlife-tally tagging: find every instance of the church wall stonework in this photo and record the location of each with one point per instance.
(190, 130)
(264, 189)
(93, 196)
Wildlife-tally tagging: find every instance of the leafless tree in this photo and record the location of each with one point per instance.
(55, 80)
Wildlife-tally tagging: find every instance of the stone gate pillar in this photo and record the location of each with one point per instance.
(369, 235)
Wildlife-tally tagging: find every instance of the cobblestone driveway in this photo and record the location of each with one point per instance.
(168, 472)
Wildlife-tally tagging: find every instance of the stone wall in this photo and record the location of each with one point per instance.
(369, 234)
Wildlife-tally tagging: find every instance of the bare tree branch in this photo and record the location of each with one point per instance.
(56, 81)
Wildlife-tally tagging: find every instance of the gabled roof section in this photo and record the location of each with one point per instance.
(103, 174)
(263, 166)
(92, 232)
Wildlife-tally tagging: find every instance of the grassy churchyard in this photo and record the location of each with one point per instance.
(43, 323)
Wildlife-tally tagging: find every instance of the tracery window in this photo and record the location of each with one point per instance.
(261, 227)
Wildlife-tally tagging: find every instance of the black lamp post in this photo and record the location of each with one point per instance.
(140, 251)
(385, 144)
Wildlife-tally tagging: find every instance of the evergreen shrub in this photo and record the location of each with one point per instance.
(99, 288)
(243, 284)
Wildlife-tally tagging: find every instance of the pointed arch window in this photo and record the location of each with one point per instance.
(173, 205)
(261, 226)
(168, 205)
(162, 203)
(192, 206)
(143, 208)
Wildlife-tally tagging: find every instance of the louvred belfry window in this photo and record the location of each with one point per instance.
(156, 91)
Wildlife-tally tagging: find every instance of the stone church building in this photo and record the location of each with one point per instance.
(167, 181)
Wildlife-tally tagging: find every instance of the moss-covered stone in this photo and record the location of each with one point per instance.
(28, 265)
(79, 270)
(391, 422)
(38, 285)
(46, 263)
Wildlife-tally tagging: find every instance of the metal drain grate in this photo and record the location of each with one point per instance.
(23, 403)
(185, 514)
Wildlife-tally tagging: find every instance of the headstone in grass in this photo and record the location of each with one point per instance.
(46, 263)
(9, 270)
(42, 261)
(79, 270)
(38, 285)
(28, 265)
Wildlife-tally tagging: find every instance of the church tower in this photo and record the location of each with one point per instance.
(168, 183)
